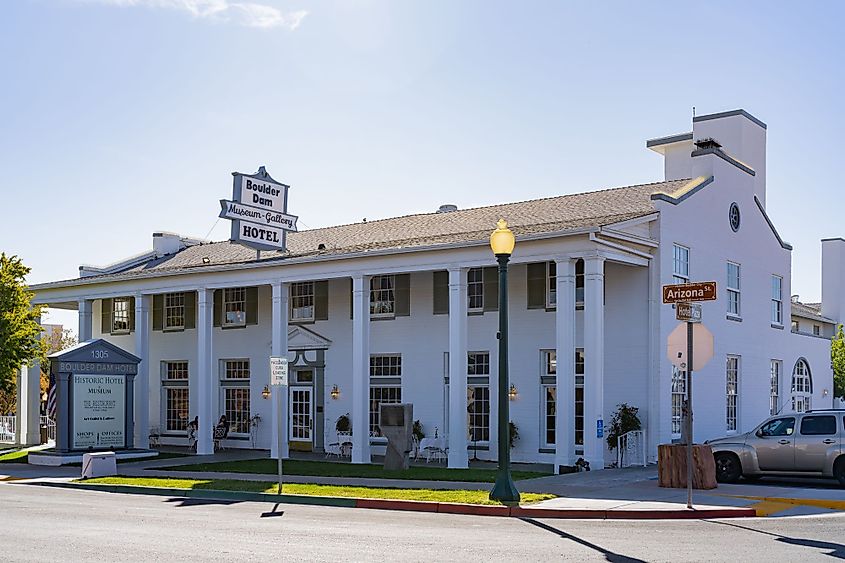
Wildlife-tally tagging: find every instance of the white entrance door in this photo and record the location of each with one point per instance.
(301, 418)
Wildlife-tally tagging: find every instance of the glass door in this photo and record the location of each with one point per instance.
(301, 422)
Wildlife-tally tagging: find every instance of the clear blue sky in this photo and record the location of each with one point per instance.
(129, 115)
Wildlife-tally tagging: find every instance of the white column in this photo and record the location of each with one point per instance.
(279, 348)
(565, 379)
(142, 380)
(85, 320)
(593, 359)
(20, 397)
(361, 369)
(458, 423)
(206, 380)
(30, 402)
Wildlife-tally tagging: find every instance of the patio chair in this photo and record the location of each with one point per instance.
(155, 436)
(221, 432)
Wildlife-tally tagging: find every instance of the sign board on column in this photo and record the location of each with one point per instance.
(278, 371)
(599, 428)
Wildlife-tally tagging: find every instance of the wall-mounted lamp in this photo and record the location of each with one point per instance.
(265, 393)
(335, 392)
(512, 392)
(825, 393)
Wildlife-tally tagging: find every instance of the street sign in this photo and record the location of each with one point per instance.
(688, 312)
(600, 428)
(686, 292)
(278, 371)
(676, 348)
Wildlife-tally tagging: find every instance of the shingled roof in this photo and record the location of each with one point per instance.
(538, 216)
(809, 311)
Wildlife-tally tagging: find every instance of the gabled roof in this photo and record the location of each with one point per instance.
(466, 226)
(809, 311)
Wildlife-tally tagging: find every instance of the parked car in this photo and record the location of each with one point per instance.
(808, 444)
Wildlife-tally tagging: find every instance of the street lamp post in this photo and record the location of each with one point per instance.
(504, 490)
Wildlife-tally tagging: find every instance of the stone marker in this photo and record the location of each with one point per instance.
(396, 422)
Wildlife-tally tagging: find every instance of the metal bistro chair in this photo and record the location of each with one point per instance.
(220, 434)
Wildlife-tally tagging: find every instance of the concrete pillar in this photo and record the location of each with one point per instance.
(565, 378)
(458, 423)
(85, 319)
(20, 397)
(29, 412)
(279, 348)
(361, 369)
(142, 380)
(206, 380)
(594, 446)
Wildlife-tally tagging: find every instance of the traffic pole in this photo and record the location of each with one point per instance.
(279, 389)
(689, 415)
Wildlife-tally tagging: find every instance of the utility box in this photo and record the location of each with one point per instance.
(100, 464)
(396, 423)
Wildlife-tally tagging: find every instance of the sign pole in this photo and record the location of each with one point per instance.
(689, 414)
(279, 389)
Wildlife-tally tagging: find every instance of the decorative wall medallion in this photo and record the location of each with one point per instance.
(734, 216)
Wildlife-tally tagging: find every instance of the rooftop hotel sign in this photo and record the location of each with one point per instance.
(258, 211)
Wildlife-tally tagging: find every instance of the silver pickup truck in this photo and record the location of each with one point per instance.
(809, 444)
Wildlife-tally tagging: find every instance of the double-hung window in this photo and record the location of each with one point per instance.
(475, 289)
(235, 396)
(234, 306)
(385, 386)
(731, 393)
(120, 315)
(734, 308)
(302, 301)
(680, 264)
(548, 396)
(777, 300)
(579, 282)
(174, 385)
(478, 396)
(382, 296)
(774, 387)
(579, 397)
(174, 311)
(551, 284)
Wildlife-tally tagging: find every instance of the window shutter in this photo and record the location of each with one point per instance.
(321, 300)
(537, 285)
(105, 313)
(158, 312)
(252, 305)
(441, 292)
(491, 289)
(218, 307)
(131, 314)
(190, 309)
(402, 294)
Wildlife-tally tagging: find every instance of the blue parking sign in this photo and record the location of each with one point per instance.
(599, 428)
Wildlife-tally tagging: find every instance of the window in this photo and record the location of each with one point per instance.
(679, 397)
(302, 301)
(777, 300)
(550, 362)
(680, 264)
(802, 386)
(174, 311)
(731, 392)
(235, 395)
(778, 427)
(234, 306)
(120, 315)
(820, 425)
(794, 326)
(548, 396)
(774, 393)
(381, 395)
(382, 296)
(817, 330)
(478, 363)
(549, 414)
(579, 397)
(478, 409)
(733, 289)
(475, 289)
(174, 384)
(579, 282)
(382, 389)
(551, 283)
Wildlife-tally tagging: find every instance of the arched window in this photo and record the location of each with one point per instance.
(802, 386)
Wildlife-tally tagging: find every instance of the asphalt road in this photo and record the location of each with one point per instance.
(49, 524)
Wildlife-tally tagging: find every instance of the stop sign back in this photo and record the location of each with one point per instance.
(702, 342)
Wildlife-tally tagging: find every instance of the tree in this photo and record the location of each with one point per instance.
(837, 360)
(19, 328)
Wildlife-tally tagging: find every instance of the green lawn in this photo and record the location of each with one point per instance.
(14, 457)
(432, 495)
(336, 469)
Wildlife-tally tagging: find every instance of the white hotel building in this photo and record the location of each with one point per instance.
(405, 309)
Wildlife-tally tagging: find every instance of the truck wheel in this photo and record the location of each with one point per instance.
(728, 468)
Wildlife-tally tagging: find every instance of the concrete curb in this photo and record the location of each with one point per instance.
(420, 506)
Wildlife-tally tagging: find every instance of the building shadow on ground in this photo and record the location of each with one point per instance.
(609, 555)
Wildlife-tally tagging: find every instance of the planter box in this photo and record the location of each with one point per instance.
(672, 466)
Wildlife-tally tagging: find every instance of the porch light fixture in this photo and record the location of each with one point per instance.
(265, 393)
(335, 392)
(512, 392)
(504, 490)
